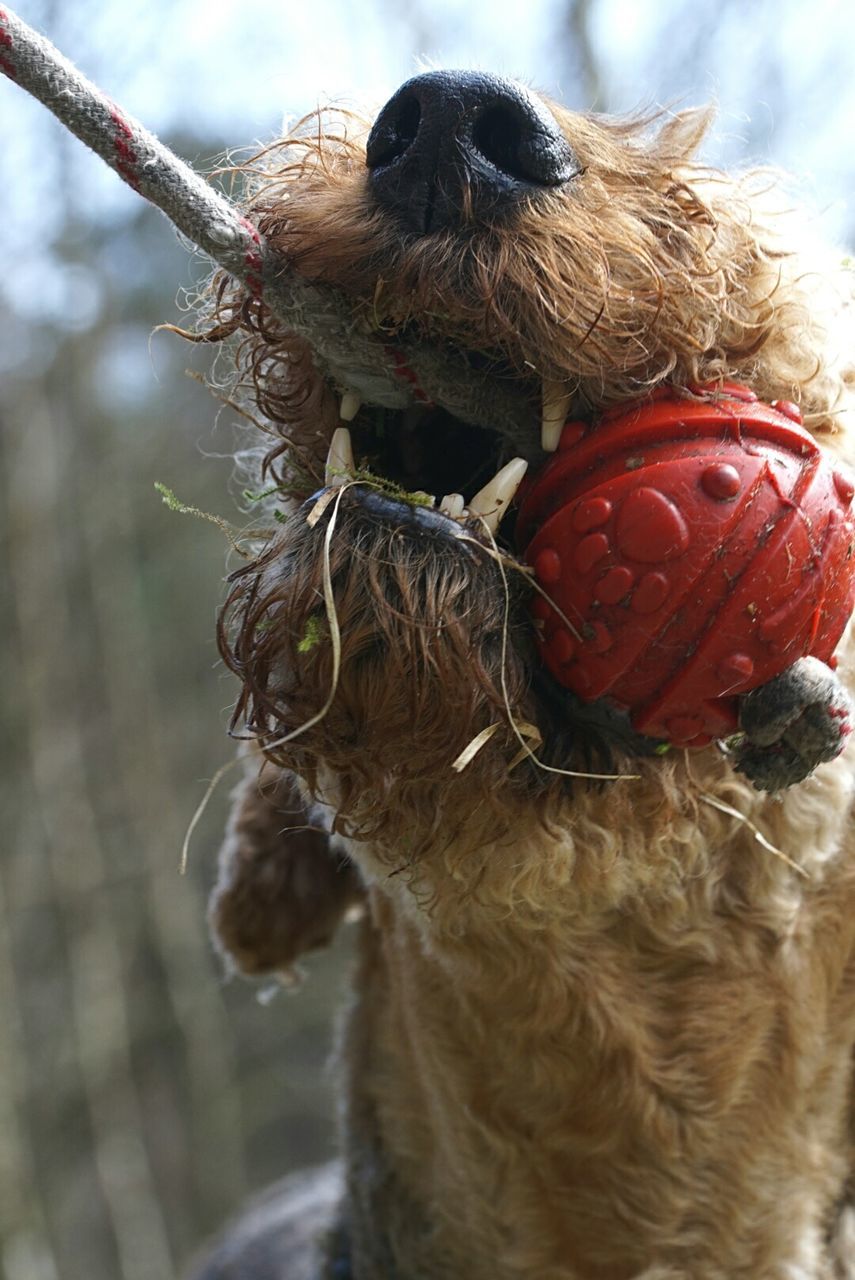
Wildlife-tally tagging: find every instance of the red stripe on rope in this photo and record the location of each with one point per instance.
(404, 371)
(124, 136)
(253, 261)
(8, 68)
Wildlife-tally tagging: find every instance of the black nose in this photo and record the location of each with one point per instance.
(451, 144)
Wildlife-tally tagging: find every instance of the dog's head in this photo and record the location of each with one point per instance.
(382, 637)
(556, 248)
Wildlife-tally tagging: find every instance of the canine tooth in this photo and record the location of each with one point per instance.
(556, 405)
(340, 463)
(492, 501)
(351, 403)
(452, 505)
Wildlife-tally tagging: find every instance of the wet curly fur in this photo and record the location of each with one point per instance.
(599, 1029)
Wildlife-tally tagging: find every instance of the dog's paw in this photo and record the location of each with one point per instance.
(283, 886)
(800, 719)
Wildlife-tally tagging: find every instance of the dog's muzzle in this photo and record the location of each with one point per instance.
(454, 144)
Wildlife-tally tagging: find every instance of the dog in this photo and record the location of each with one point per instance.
(603, 1014)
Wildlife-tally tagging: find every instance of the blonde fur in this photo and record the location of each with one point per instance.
(600, 1032)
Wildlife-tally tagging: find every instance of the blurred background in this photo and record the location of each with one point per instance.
(141, 1096)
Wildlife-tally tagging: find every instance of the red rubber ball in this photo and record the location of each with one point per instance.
(691, 548)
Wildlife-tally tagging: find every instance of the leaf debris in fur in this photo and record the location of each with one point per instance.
(313, 635)
(470, 751)
(321, 505)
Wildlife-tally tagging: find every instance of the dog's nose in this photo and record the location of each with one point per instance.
(452, 144)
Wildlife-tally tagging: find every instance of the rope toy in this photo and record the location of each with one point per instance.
(392, 377)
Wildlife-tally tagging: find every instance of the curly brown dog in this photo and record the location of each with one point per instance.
(600, 1029)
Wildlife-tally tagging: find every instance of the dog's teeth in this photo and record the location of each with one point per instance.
(493, 500)
(452, 505)
(351, 403)
(556, 406)
(340, 463)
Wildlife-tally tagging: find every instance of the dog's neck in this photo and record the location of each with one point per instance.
(510, 1095)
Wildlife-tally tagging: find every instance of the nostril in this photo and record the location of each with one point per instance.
(513, 142)
(394, 132)
(498, 136)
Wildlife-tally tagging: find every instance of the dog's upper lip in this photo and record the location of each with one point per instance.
(557, 402)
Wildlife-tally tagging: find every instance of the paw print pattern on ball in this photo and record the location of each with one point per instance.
(699, 546)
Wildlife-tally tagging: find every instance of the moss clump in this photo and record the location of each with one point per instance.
(416, 497)
(316, 629)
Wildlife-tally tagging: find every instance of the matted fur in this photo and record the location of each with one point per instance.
(600, 1031)
(415, 617)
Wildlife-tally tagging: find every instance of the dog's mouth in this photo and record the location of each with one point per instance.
(424, 457)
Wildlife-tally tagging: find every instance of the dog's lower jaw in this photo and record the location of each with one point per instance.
(596, 1094)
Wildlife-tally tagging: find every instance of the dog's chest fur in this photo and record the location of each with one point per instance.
(591, 1088)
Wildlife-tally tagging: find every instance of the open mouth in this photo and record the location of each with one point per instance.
(425, 456)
